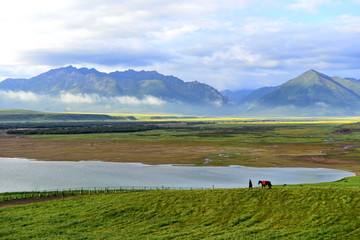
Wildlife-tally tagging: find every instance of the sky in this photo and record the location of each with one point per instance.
(228, 44)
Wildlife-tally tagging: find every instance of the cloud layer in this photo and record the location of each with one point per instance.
(80, 98)
(227, 44)
(81, 102)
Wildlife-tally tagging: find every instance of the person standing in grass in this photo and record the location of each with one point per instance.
(250, 184)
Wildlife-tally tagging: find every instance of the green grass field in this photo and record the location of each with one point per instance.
(283, 212)
(305, 211)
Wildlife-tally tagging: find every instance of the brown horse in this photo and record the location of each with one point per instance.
(265, 183)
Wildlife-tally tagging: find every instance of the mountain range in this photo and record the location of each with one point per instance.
(128, 83)
(310, 94)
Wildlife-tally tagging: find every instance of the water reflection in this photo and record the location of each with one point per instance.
(18, 174)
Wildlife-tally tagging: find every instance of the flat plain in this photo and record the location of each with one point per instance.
(329, 144)
(305, 211)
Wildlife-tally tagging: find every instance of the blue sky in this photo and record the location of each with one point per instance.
(229, 44)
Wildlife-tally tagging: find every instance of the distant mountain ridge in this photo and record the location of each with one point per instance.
(128, 83)
(310, 94)
(257, 94)
(313, 91)
(236, 97)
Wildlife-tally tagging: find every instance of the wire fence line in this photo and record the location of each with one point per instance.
(13, 196)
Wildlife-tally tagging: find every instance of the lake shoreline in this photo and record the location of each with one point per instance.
(19, 174)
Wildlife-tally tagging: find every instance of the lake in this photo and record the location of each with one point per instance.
(18, 174)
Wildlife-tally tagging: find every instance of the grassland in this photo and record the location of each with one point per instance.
(334, 143)
(284, 212)
(316, 211)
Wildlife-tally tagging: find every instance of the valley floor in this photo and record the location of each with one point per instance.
(325, 145)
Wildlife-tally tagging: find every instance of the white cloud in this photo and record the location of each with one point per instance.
(321, 104)
(311, 6)
(256, 25)
(347, 24)
(79, 98)
(147, 100)
(239, 56)
(19, 96)
(66, 97)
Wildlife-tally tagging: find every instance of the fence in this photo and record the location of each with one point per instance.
(14, 196)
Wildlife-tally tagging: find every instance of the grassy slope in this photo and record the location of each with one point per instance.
(15, 115)
(280, 213)
(29, 115)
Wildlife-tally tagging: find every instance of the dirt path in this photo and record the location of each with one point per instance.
(28, 201)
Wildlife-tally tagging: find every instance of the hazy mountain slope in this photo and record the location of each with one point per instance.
(350, 83)
(68, 79)
(73, 89)
(257, 94)
(312, 88)
(127, 83)
(167, 87)
(236, 96)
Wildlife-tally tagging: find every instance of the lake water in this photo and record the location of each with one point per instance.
(17, 174)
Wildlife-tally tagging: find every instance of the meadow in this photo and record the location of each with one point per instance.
(284, 212)
(316, 211)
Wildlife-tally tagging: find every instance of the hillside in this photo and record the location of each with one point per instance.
(312, 88)
(9, 115)
(280, 213)
(256, 95)
(312, 93)
(128, 83)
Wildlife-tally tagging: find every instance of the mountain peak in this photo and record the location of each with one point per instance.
(311, 77)
(71, 69)
(311, 89)
(67, 69)
(313, 72)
